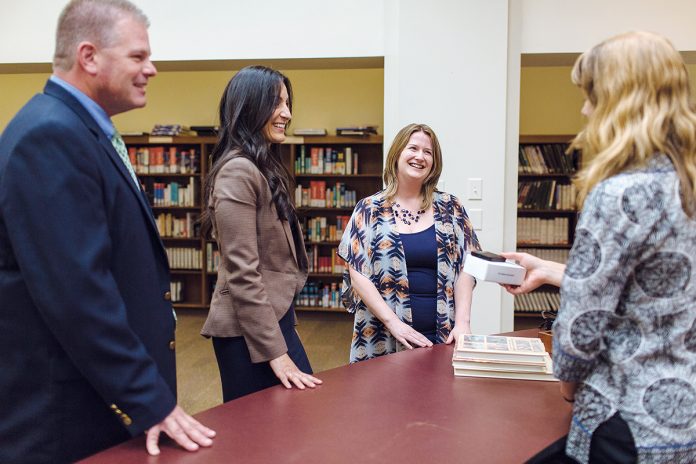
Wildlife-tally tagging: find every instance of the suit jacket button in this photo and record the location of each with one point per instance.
(167, 296)
(172, 345)
(126, 420)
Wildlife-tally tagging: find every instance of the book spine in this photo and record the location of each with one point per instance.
(349, 160)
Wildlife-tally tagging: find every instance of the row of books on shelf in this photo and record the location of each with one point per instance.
(546, 194)
(497, 356)
(559, 255)
(536, 302)
(324, 264)
(321, 196)
(532, 230)
(176, 289)
(549, 158)
(171, 226)
(172, 193)
(184, 258)
(323, 229)
(319, 294)
(326, 160)
(161, 160)
(191, 258)
(212, 257)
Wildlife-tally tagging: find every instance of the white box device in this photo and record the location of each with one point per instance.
(493, 268)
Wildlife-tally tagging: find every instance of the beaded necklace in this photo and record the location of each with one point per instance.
(406, 215)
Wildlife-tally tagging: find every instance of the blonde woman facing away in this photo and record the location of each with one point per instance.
(625, 336)
(405, 247)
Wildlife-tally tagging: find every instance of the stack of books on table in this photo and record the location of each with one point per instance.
(501, 357)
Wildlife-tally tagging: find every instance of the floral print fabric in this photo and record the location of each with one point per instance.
(627, 322)
(372, 246)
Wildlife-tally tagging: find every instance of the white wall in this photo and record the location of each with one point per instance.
(215, 29)
(27, 30)
(242, 29)
(446, 65)
(563, 26)
(512, 138)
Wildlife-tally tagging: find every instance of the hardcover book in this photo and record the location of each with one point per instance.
(547, 377)
(500, 348)
(497, 356)
(500, 366)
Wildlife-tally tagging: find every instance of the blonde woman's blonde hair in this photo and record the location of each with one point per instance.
(391, 168)
(638, 85)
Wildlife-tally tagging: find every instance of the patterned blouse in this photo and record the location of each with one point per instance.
(371, 245)
(626, 329)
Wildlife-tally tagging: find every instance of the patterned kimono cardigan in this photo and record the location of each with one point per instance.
(372, 246)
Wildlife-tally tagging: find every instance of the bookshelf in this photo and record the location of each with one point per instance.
(546, 210)
(172, 170)
(331, 174)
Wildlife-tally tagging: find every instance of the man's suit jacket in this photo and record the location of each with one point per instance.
(86, 331)
(261, 268)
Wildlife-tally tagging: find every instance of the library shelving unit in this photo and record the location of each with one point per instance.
(546, 210)
(172, 171)
(331, 173)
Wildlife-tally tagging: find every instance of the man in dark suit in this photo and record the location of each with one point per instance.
(86, 325)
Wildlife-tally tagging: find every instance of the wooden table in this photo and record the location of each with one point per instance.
(402, 408)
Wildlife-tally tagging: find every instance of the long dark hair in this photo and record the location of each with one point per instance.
(247, 104)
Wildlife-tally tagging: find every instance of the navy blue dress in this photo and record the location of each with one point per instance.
(420, 249)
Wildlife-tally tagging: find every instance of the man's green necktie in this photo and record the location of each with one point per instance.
(120, 147)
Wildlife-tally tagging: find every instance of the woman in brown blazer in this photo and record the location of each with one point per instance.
(263, 261)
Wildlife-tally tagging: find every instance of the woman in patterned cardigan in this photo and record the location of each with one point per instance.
(624, 340)
(405, 247)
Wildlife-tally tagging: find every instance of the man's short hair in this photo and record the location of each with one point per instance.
(93, 21)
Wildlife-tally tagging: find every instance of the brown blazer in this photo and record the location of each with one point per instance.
(259, 274)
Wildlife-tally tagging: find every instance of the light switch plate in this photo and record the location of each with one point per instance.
(475, 188)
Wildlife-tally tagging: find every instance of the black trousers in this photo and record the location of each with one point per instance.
(612, 443)
(240, 376)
